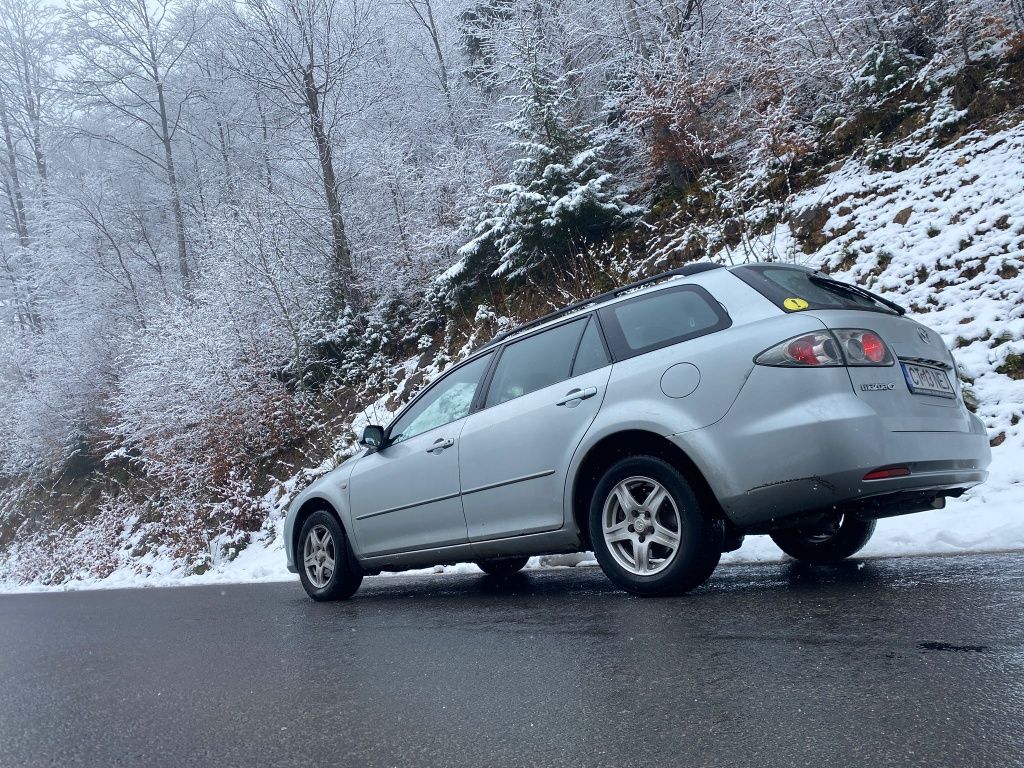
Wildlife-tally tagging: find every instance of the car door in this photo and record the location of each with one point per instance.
(405, 496)
(515, 451)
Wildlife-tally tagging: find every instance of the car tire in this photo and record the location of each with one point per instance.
(505, 566)
(821, 546)
(327, 569)
(628, 511)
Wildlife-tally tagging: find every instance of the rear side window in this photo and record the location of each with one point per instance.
(660, 319)
(534, 363)
(794, 290)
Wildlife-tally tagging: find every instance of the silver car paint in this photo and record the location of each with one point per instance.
(514, 485)
(771, 442)
(393, 514)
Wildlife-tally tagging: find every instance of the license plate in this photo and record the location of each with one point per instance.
(925, 380)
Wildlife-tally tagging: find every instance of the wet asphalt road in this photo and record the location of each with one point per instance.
(916, 661)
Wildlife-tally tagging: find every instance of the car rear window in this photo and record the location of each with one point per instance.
(794, 290)
(662, 318)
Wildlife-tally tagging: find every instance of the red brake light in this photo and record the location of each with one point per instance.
(874, 347)
(802, 351)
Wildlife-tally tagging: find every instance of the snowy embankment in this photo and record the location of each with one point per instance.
(945, 237)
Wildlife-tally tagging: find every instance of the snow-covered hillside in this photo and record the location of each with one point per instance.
(944, 236)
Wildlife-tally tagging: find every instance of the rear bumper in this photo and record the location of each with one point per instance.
(790, 498)
(769, 466)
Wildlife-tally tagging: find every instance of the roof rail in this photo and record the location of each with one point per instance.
(684, 271)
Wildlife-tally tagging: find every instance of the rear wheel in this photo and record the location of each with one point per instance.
(649, 532)
(326, 566)
(503, 567)
(826, 542)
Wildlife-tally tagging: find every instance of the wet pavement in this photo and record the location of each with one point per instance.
(913, 661)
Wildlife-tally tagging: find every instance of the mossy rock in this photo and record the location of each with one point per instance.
(1012, 366)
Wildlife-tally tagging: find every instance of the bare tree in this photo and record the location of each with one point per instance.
(128, 51)
(28, 48)
(12, 176)
(423, 12)
(302, 51)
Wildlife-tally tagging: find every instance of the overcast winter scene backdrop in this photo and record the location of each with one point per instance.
(234, 231)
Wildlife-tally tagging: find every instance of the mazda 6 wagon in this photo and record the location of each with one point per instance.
(657, 425)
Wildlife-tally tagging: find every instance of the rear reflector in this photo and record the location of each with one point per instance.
(882, 474)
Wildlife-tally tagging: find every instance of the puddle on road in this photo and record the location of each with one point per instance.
(937, 646)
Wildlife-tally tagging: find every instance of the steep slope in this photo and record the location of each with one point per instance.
(937, 226)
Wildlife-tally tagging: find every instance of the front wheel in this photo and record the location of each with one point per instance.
(326, 568)
(649, 532)
(827, 542)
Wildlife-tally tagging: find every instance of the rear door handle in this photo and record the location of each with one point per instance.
(574, 396)
(440, 444)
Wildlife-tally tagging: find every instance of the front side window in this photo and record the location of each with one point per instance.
(659, 319)
(534, 363)
(448, 400)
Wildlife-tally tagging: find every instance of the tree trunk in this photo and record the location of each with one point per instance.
(172, 182)
(340, 252)
(12, 186)
(266, 140)
(32, 110)
(633, 18)
(442, 72)
(228, 180)
(14, 194)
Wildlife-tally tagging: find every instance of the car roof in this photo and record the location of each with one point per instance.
(614, 296)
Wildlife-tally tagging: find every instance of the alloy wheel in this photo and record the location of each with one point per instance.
(318, 556)
(641, 525)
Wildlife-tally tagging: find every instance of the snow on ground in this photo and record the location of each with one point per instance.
(945, 237)
(988, 519)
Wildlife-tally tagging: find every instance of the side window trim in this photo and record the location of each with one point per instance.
(604, 338)
(576, 349)
(600, 335)
(485, 381)
(616, 342)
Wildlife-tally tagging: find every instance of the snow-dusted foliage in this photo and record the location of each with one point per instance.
(560, 196)
(231, 233)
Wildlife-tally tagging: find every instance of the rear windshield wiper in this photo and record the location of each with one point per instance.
(858, 291)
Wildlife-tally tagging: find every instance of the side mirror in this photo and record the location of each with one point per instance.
(373, 436)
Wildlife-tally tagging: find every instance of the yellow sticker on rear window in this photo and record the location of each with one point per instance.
(795, 304)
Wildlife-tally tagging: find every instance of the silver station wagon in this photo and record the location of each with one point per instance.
(657, 425)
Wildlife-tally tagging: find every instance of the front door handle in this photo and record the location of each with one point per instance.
(574, 396)
(440, 444)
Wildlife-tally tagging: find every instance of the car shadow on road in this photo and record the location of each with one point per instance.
(560, 583)
(847, 572)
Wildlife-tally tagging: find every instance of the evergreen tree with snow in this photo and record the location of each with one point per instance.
(559, 197)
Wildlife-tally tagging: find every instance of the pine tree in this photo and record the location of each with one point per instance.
(559, 198)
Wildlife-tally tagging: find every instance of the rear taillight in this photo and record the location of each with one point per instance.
(810, 350)
(863, 347)
(845, 346)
